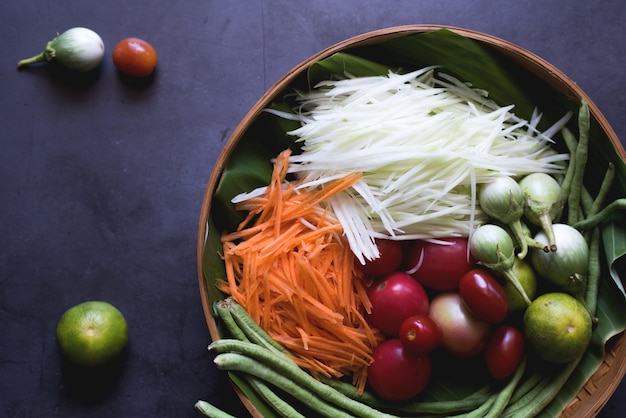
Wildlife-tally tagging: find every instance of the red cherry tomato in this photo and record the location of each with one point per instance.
(394, 298)
(420, 334)
(439, 266)
(396, 374)
(390, 258)
(484, 296)
(135, 57)
(504, 351)
(463, 334)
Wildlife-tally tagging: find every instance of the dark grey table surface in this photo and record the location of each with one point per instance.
(101, 181)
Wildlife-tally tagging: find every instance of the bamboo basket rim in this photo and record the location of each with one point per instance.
(594, 395)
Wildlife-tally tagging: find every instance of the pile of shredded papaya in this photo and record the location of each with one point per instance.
(289, 265)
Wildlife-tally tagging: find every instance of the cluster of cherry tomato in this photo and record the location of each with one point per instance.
(429, 296)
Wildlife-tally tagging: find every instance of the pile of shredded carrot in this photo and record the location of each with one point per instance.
(290, 267)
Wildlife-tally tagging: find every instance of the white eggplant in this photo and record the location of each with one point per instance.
(78, 49)
(493, 247)
(503, 199)
(543, 203)
(568, 266)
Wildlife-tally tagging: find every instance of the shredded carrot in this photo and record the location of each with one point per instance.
(289, 265)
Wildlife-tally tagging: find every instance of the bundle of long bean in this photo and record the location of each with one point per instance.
(252, 352)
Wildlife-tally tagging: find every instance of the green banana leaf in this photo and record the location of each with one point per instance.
(249, 166)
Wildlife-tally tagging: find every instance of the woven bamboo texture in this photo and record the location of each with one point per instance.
(596, 392)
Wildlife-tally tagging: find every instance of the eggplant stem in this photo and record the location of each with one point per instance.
(32, 60)
(511, 277)
(516, 228)
(46, 55)
(546, 225)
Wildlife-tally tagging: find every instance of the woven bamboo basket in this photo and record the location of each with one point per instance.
(603, 383)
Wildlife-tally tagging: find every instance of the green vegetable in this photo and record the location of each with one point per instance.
(310, 391)
(526, 386)
(543, 202)
(596, 219)
(493, 247)
(465, 404)
(566, 184)
(481, 410)
(530, 241)
(267, 393)
(603, 192)
(546, 393)
(255, 351)
(503, 199)
(526, 401)
(78, 49)
(244, 327)
(582, 152)
(593, 273)
(568, 266)
(211, 411)
(223, 310)
(502, 399)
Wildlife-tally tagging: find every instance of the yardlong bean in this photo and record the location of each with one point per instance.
(415, 407)
(586, 201)
(603, 191)
(595, 220)
(320, 397)
(282, 407)
(480, 411)
(582, 151)
(211, 411)
(566, 184)
(528, 397)
(229, 321)
(255, 351)
(593, 273)
(255, 334)
(526, 386)
(502, 399)
(245, 325)
(549, 393)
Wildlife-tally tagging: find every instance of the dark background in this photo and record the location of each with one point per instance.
(101, 181)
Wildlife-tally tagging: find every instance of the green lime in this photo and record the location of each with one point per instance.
(558, 327)
(92, 333)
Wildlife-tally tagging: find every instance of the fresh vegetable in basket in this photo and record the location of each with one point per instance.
(511, 380)
(289, 266)
(423, 142)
